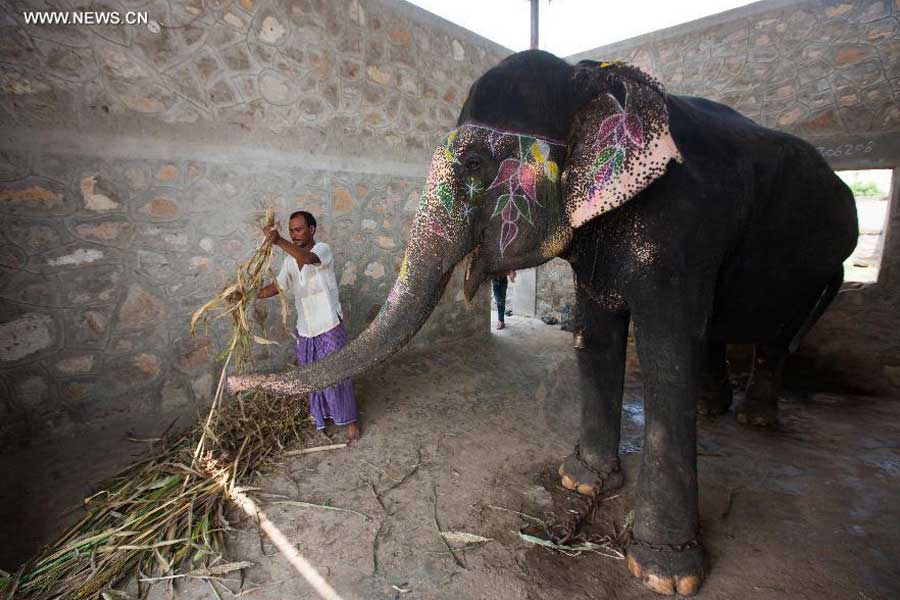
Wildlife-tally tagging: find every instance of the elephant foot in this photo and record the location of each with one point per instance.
(667, 569)
(715, 401)
(757, 413)
(588, 474)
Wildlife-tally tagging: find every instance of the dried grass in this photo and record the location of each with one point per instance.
(569, 537)
(164, 517)
(251, 277)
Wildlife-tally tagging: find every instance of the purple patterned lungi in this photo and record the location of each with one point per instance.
(337, 402)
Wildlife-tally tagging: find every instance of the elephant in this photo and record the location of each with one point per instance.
(676, 213)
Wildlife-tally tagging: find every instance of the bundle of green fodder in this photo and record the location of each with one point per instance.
(166, 515)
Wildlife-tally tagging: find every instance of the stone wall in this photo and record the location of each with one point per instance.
(555, 289)
(829, 72)
(813, 68)
(133, 164)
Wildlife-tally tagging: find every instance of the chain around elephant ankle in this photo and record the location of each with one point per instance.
(689, 545)
(603, 471)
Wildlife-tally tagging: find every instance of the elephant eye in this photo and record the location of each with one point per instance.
(473, 163)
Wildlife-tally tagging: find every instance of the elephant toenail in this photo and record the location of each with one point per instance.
(660, 585)
(688, 586)
(634, 567)
(585, 489)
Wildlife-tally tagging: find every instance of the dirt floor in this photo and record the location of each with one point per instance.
(809, 511)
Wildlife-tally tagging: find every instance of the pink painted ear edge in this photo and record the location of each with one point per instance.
(601, 174)
(583, 210)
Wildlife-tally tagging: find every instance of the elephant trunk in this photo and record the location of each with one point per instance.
(408, 306)
(439, 239)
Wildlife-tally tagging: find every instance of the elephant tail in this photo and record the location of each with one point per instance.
(831, 290)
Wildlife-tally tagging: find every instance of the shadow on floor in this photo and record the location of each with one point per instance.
(809, 511)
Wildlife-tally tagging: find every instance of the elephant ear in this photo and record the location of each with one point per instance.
(619, 142)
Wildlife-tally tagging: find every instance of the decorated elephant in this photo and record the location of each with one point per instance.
(677, 212)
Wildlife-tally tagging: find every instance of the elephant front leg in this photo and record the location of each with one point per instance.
(593, 467)
(665, 552)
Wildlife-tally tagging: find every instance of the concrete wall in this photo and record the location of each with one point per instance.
(132, 163)
(828, 72)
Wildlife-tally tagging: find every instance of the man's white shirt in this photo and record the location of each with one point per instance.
(315, 291)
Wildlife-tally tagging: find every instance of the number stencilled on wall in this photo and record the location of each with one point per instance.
(846, 149)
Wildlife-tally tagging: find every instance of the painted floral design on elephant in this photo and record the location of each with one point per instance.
(521, 177)
(620, 134)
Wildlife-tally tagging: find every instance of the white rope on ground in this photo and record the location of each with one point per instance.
(236, 494)
(300, 564)
(315, 449)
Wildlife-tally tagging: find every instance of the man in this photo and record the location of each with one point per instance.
(498, 284)
(308, 274)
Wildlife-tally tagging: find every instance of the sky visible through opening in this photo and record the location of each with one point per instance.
(571, 26)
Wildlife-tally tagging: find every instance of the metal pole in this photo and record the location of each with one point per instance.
(534, 24)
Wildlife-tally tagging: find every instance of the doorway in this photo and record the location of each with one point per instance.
(872, 189)
(521, 295)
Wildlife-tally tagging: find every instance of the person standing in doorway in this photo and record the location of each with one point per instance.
(308, 275)
(499, 285)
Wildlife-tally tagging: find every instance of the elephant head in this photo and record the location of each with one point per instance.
(540, 148)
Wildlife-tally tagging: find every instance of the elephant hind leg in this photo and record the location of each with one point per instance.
(715, 386)
(760, 404)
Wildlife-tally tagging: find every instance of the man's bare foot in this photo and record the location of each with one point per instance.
(501, 325)
(352, 432)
